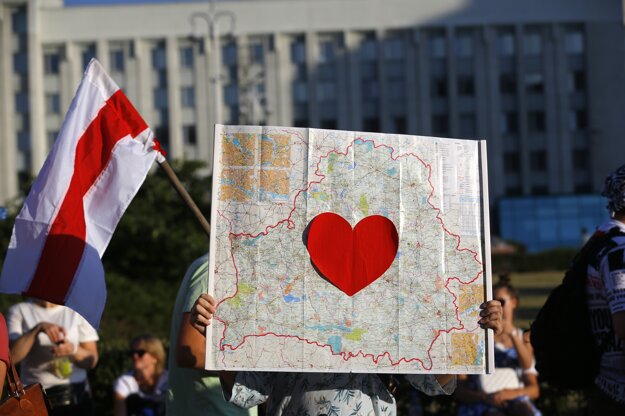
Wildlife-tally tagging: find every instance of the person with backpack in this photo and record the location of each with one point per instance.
(605, 290)
(514, 384)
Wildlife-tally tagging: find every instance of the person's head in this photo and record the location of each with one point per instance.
(148, 353)
(614, 191)
(504, 292)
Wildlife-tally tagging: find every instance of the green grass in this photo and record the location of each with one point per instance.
(533, 287)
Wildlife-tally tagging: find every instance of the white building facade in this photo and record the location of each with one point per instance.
(542, 81)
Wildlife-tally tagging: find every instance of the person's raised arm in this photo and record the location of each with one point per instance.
(85, 355)
(191, 342)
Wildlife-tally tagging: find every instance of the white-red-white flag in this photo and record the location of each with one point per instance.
(96, 166)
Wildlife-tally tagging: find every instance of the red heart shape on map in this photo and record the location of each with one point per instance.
(352, 259)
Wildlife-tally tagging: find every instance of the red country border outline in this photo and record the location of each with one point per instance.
(346, 356)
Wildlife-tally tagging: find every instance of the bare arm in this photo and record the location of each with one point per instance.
(191, 345)
(530, 390)
(524, 350)
(21, 346)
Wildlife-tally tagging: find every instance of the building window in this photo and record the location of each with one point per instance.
(326, 91)
(468, 125)
(512, 162)
(159, 60)
(463, 45)
(117, 60)
(186, 57)
(21, 102)
(396, 89)
(326, 51)
(577, 81)
(300, 122)
(437, 46)
(578, 120)
(231, 94)
(534, 82)
(162, 134)
(394, 49)
(369, 49)
(580, 159)
(509, 122)
(440, 124)
(88, 54)
(438, 87)
(538, 160)
(466, 86)
(536, 121)
(514, 191)
(52, 135)
(329, 124)
(533, 43)
(370, 90)
(229, 54)
(53, 103)
(371, 124)
(399, 125)
(574, 42)
(300, 92)
(51, 63)
(507, 83)
(506, 46)
(160, 98)
(298, 50)
(187, 97)
(257, 53)
(540, 190)
(189, 134)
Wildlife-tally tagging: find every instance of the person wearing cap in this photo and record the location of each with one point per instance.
(605, 288)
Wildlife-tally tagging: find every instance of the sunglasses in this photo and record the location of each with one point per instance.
(139, 353)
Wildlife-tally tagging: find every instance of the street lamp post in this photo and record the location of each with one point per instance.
(212, 19)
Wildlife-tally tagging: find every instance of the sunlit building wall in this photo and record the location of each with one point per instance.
(542, 82)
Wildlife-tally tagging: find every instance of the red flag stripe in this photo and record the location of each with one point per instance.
(64, 246)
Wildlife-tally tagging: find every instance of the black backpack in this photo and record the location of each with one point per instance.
(565, 349)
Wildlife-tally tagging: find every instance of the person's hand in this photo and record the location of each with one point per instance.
(491, 316)
(202, 312)
(55, 332)
(64, 349)
(500, 398)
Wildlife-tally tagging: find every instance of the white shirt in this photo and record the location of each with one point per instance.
(126, 385)
(38, 365)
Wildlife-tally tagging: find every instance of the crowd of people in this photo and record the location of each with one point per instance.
(55, 346)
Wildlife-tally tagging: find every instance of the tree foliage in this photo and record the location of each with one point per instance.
(158, 235)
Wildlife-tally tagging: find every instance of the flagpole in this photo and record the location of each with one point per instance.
(171, 175)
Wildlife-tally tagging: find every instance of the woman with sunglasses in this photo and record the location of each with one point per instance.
(142, 390)
(513, 386)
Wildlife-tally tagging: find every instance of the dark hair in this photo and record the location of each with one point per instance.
(504, 283)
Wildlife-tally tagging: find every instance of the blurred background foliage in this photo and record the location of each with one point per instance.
(158, 238)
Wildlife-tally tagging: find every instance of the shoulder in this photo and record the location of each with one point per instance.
(198, 267)
(125, 384)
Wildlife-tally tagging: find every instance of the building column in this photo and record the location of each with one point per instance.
(205, 131)
(385, 125)
(172, 55)
(284, 80)
(8, 142)
(312, 58)
(354, 80)
(36, 96)
(424, 106)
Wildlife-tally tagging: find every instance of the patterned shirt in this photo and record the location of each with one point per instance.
(331, 394)
(605, 287)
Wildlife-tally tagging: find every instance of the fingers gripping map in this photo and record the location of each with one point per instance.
(348, 251)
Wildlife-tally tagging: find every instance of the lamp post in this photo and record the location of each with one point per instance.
(212, 19)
